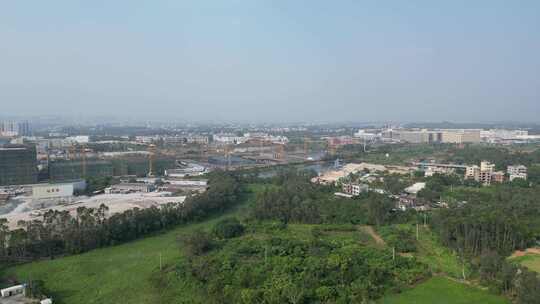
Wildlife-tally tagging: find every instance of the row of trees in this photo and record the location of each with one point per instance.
(492, 224)
(502, 219)
(60, 232)
(500, 156)
(508, 278)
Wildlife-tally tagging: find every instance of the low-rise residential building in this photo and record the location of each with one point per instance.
(406, 201)
(430, 171)
(415, 188)
(130, 188)
(497, 177)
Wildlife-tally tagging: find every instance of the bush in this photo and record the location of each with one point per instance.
(197, 243)
(228, 228)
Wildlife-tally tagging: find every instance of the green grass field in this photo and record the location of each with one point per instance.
(531, 261)
(439, 258)
(442, 290)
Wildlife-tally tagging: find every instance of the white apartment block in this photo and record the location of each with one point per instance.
(518, 171)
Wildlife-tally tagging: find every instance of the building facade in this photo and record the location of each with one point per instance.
(518, 171)
(18, 165)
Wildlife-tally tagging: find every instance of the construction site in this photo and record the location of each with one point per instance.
(153, 160)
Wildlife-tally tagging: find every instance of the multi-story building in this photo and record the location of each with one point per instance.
(485, 174)
(457, 136)
(18, 165)
(430, 171)
(472, 172)
(13, 128)
(197, 139)
(518, 171)
(354, 189)
(73, 170)
(502, 135)
(460, 136)
(229, 139)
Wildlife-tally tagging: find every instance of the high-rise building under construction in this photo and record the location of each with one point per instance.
(18, 165)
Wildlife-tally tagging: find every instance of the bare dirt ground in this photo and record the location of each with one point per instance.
(519, 253)
(378, 239)
(30, 209)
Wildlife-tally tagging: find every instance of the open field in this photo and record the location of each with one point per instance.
(442, 290)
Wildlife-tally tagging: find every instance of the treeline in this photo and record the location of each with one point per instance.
(502, 220)
(508, 278)
(292, 198)
(488, 228)
(501, 157)
(61, 233)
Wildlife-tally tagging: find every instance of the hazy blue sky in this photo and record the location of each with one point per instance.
(273, 60)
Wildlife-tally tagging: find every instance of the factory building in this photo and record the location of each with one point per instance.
(456, 136)
(18, 165)
(460, 136)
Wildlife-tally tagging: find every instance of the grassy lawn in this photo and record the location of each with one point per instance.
(531, 261)
(439, 258)
(118, 274)
(442, 290)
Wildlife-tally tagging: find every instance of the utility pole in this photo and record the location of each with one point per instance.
(425, 220)
(160, 262)
(393, 253)
(417, 232)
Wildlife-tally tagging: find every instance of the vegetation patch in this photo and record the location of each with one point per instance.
(442, 290)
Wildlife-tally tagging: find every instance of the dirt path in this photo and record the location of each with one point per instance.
(369, 230)
(519, 253)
